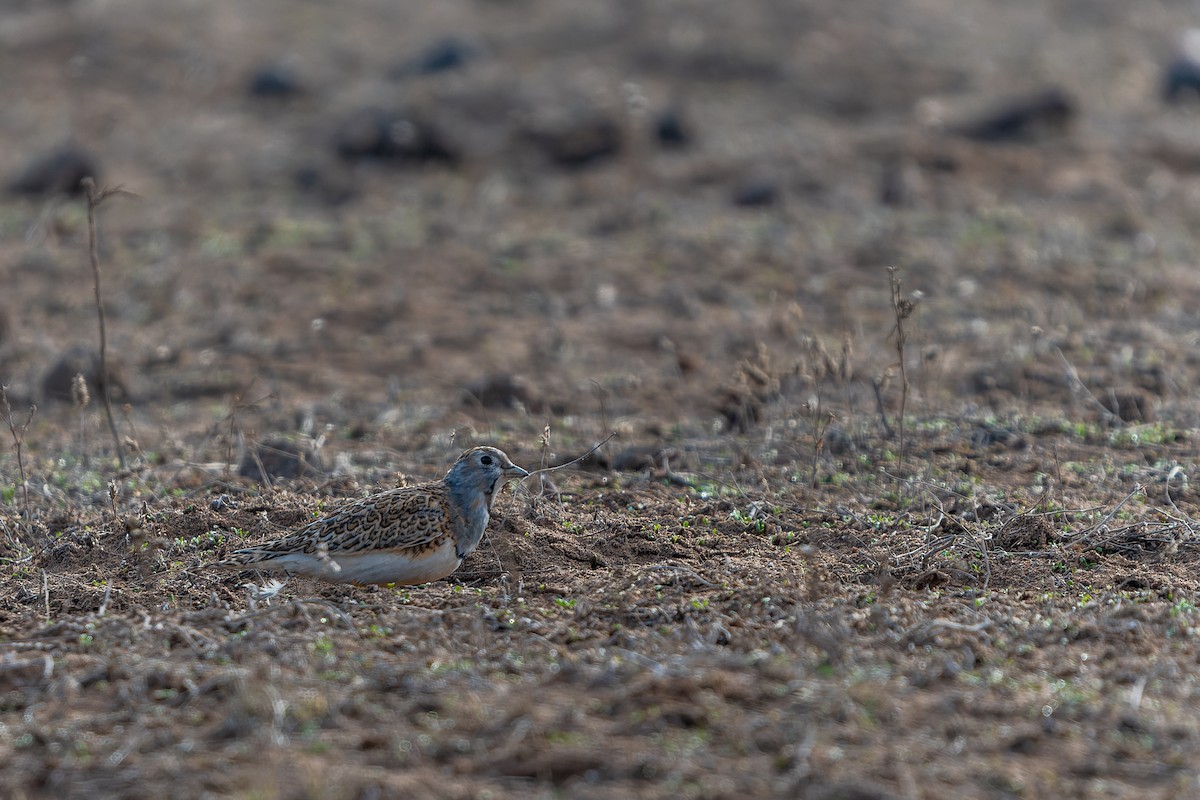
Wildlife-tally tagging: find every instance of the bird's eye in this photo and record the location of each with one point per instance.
(485, 460)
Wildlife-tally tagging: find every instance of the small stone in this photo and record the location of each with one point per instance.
(374, 133)
(672, 131)
(578, 142)
(501, 391)
(1024, 118)
(442, 56)
(274, 81)
(1181, 81)
(756, 193)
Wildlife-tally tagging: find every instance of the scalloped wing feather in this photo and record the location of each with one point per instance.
(412, 519)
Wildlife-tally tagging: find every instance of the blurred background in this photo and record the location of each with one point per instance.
(407, 219)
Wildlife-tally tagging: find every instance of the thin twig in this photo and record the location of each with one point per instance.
(678, 569)
(1078, 388)
(572, 461)
(932, 625)
(902, 308)
(104, 602)
(262, 470)
(877, 385)
(95, 198)
(1103, 524)
(18, 435)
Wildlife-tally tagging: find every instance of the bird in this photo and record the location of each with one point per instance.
(405, 536)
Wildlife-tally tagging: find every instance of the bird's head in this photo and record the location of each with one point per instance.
(482, 470)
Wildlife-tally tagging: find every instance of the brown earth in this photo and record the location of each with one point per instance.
(828, 555)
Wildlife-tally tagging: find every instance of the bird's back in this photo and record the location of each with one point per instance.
(411, 518)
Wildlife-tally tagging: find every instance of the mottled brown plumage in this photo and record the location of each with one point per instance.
(410, 535)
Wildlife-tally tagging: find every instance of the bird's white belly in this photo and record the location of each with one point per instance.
(374, 566)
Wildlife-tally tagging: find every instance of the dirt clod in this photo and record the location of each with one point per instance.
(59, 381)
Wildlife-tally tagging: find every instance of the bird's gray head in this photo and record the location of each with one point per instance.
(482, 471)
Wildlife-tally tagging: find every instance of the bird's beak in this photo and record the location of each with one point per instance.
(513, 471)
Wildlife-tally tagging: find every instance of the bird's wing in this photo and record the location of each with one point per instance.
(410, 518)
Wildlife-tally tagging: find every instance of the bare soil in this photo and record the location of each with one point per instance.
(919, 532)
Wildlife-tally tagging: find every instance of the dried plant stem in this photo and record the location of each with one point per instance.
(1079, 389)
(877, 386)
(572, 461)
(95, 198)
(902, 308)
(820, 421)
(18, 436)
(81, 397)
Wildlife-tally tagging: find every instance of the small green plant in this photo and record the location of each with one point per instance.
(374, 631)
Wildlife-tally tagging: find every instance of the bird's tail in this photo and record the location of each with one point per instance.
(242, 559)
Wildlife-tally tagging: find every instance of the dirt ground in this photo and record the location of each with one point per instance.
(918, 532)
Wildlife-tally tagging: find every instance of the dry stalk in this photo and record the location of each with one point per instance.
(572, 461)
(878, 384)
(820, 422)
(94, 198)
(1079, 389)
(902, 309)
(81, 398)
(845, 372)
(253, 449)
(601, 394)
(545, 442)
(18, 436)
(820, 365)
(235, 406)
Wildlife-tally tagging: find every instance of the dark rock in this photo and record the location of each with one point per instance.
(502, 391)
(374, 133)
(838, 441)
(640, 457)
(578, 142)
(58, 380)
(444, 55)
(281, 458)
(59, 171)
(274, 81)
(820, 790)
(1181, 81)
(672, 131)
(756, 193)
(1024, 118)
(330, 186)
